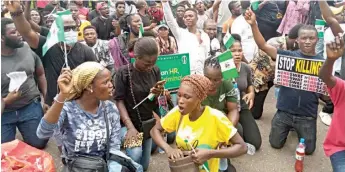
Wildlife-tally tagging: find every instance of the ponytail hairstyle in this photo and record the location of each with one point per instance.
(143, 47)
(125, 22)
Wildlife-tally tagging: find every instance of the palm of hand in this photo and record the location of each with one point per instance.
(65, 88)
(12, 6)
(335, 54)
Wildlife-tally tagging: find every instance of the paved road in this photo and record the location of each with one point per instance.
(266, 159)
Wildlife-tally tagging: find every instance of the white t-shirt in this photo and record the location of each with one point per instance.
(328, 37)
(203, 18)
(241, 27)
(188, 42)
(130, 9)
(215, 44)
(223, 13)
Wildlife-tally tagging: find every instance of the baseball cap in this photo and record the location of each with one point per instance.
(162, 25)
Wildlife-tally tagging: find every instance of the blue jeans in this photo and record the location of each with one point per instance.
(305, 127)
(27, 120)
(141, 154)
(338, 161)
(170, 140)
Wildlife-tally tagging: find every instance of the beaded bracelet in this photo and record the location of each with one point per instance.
(56, 100)
(17, 13)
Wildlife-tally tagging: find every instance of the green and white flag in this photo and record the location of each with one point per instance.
(141, 31)
(227, 65)
(320, 27)
(56, 33)
(228, 40)
(254, 4)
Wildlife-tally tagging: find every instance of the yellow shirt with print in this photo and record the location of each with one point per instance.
(84, 23)
(210, 129)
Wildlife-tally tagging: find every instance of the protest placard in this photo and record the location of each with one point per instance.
(299, 73)
(173, 68)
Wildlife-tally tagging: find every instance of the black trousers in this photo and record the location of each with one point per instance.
(259, 101)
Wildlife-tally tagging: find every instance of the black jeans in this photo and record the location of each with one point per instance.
(250, 130)
(305, 127)
(259, 101)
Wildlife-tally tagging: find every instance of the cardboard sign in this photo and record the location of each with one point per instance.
(299, 73)
(173, 68)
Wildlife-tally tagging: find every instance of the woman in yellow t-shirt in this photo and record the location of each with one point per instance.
(202, 127)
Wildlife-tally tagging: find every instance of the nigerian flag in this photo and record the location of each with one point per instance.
(141, 31)
(254, 4)
(56, 33)
(228, 40)
(227, 65)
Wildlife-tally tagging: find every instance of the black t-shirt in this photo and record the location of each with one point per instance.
(53, 61)
(44, 31)
(104, 28)
(294, 101)
(146, 19)
(142, 83)
(93, 14)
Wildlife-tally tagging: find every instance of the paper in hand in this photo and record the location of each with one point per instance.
(17, 79)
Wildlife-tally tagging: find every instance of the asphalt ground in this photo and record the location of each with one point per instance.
(266, 159)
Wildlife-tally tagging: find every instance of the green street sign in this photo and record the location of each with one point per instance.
(173, 68)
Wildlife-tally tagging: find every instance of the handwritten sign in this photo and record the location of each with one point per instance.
(173, 68)
(299, 73)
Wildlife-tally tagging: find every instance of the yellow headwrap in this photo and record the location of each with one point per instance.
(82, 76)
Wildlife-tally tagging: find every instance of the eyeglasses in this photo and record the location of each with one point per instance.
(69, 28)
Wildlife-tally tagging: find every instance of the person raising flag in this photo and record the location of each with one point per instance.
(54, 59)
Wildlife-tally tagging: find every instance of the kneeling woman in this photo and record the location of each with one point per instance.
(79, 116)
(201, 126)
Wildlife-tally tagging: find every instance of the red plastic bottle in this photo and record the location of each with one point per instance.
(300, 153)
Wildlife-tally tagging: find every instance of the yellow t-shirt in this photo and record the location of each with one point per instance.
(84, 23)
(210, 129)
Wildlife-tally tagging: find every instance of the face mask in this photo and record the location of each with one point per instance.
(13, 44)
(71, 37)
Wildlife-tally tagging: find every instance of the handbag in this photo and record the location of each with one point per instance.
(185, 164)
(147, 125)
(85, 163)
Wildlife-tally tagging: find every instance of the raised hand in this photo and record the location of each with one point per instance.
(65, 81)
(250, 17)
(335, 49)
(13, 6)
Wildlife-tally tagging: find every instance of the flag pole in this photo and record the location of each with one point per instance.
(66, 61)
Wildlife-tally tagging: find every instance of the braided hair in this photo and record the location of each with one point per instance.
(212, 62)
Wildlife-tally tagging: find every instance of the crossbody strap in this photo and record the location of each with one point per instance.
(132, 93)
(108, 135)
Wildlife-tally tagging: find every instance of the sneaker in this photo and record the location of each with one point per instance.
(325, 118)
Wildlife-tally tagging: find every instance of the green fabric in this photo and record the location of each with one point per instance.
(226, 90)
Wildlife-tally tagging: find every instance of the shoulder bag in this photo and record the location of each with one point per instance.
(147, 125)
(85, 163)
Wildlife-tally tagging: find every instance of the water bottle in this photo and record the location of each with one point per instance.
(223, 164)
(250, 149)
(300, 153)
(238, 96)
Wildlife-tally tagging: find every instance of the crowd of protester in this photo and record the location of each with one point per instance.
(87, 105)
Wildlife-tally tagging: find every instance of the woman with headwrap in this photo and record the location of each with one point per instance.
(199, 126)
(77, 118)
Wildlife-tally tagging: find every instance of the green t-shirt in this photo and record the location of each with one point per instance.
(225, 93)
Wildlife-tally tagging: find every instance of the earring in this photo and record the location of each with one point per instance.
(91, 91)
